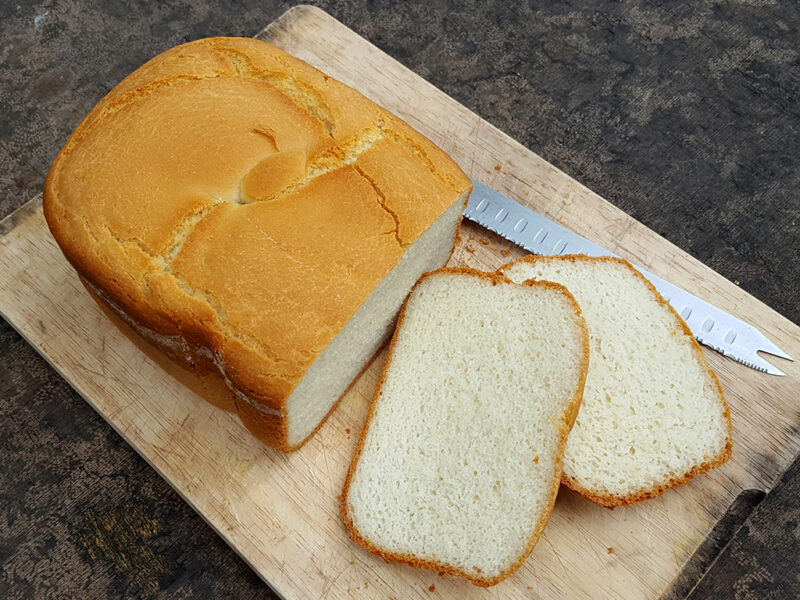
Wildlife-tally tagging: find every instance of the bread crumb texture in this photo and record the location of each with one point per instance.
(483, 377)
(653, 412)
(232, 195)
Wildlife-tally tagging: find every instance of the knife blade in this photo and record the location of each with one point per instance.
(710, 325)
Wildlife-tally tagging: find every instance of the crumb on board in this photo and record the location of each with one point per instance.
(611, 550)
(347, 431)
(352, 562)
(366, 584)
(498, 167)
(530, 587)
(432, 588)
(536, 459)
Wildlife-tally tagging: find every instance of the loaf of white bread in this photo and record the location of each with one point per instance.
(653, 414)
(460, 458)
(255, 220)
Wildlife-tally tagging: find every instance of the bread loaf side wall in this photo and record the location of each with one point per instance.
(194, 367)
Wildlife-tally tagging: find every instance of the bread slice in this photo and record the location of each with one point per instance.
(459, 461)
(653, 414)
(254, 219)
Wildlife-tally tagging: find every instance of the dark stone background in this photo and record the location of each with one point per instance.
(686, 116)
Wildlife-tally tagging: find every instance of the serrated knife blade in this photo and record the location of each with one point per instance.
(711, 326)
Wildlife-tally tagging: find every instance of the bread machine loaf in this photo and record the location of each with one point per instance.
(254, 218)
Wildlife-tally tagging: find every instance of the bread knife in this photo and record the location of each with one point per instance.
(711, 326)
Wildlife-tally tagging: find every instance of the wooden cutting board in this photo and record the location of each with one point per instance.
(280, 512)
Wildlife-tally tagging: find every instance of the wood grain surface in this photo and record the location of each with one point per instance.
(280, 512)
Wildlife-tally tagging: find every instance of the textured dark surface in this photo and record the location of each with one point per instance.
(717, 540)
(687, 117)
(758, 564)
(81, 514)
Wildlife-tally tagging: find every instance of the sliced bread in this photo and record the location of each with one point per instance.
(460, 458)
(653, 414)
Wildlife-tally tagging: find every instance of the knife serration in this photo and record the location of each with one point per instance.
(711, 326)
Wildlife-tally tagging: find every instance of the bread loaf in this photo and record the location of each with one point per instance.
(459, 461)
(254, 218)
(653, 414)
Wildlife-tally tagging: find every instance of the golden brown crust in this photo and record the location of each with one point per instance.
(567, 421)
(610, 500)
(179, 197)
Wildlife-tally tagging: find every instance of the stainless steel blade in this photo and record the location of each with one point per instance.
(539, 235)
